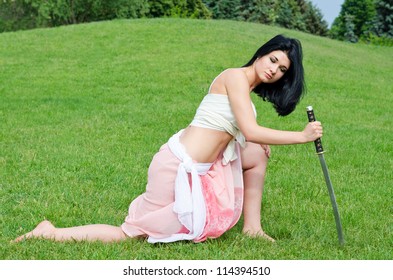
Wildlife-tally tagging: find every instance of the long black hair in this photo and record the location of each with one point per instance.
(286, 93)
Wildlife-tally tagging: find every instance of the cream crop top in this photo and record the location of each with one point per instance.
(215, 112)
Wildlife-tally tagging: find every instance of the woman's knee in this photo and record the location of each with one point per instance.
(254, 157)
(259, 167)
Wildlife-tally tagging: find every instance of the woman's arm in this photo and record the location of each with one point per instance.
(237, 87)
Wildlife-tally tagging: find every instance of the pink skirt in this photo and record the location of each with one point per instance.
(151, 214)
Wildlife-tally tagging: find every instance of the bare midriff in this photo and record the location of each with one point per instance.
(204, 144)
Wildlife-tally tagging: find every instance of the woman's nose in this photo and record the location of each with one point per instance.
(273, 70)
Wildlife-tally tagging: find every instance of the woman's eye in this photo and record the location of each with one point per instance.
(272, 60)
(283, 70)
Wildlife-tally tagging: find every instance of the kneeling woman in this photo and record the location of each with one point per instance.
(209, 173)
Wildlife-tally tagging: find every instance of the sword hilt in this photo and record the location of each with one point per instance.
(311, 118)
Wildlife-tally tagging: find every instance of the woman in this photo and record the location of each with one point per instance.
(206, 175)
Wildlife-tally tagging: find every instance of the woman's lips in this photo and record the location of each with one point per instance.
(268, 75)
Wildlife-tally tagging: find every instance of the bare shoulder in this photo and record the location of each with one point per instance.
(235, 73)
(228, 80)
(236, 79)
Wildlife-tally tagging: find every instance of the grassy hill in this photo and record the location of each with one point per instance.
(83, 109)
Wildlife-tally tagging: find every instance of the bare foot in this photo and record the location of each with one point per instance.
(45, 229)
(259, 233)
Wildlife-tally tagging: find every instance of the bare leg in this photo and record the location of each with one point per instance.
(254, 163)
(97, 232)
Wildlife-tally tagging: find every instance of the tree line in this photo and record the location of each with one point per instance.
(367, 20)
(27, 14)
(292, 14)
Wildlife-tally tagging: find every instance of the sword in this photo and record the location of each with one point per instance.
(320, 151)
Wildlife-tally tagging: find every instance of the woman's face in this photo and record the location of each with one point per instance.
(271, 67)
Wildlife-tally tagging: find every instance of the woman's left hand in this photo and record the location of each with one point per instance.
(266, 148)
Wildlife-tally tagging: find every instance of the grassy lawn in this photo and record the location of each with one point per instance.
(84, 108)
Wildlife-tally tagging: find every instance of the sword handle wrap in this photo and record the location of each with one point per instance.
(311, 118)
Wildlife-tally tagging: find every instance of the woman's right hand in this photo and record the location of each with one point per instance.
(313, 131)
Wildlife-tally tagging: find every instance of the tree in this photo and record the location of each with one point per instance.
(349, 33)
(178, 8)
(15, 15)
(189, 9)
(383, 22)
(313, 19)
(262, 11)
(223, 9)
(159, 8)
(358, 13)
(289, 15)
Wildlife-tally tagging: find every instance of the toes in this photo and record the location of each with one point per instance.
(22, 237)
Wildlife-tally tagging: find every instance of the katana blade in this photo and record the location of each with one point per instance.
(332, 199)
(320, 151)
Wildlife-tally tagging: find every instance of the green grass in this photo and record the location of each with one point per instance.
(84, 108)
